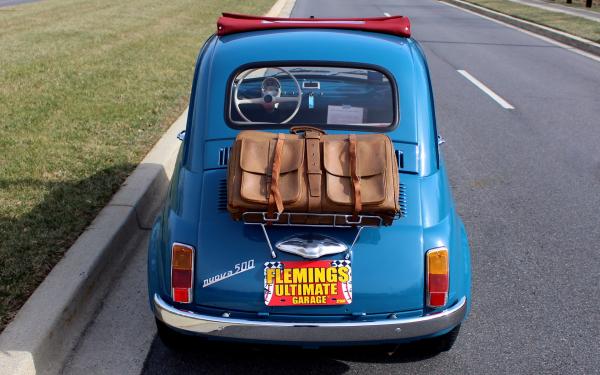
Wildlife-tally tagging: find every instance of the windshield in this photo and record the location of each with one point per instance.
(312, 95)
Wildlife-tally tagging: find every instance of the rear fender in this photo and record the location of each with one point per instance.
(176, 223)
(443, 227)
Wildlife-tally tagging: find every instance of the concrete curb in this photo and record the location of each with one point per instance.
(560, 36)
(282, 8)
(50, 323)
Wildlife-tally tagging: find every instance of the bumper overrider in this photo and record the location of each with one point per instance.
(289, 332)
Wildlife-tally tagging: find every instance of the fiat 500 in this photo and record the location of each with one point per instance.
(310, 285)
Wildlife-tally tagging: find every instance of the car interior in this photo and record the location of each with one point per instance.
(312, 95)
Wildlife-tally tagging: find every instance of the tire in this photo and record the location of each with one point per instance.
(171, 338)
(444, 342)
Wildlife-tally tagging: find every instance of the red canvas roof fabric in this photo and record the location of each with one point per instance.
(231, 23)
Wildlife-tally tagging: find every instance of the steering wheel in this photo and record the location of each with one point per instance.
(270, 96)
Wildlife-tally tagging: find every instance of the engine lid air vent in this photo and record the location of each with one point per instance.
(399, 158)
(222, 195)
(402, 200)
(224, 155)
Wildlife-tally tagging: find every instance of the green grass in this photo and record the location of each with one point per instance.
(579, 26)
(86, 88)
(578, 4)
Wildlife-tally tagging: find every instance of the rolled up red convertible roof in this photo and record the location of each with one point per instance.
(230, 23)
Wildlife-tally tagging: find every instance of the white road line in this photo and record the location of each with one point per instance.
(387, 14)
(503, 103)
(538, 36)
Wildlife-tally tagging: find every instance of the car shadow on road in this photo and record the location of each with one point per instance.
(226, 358)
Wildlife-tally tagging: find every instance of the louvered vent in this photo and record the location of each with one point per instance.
(224, 155)
(402, 200)
(399, 158)
(222, 196)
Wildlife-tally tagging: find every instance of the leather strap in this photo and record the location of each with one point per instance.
(313, 170)
(313, 158)
(354, 173)
(275, 201)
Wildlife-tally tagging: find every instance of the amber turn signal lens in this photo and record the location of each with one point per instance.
(437, 277)
(437, 261)
(182, 256)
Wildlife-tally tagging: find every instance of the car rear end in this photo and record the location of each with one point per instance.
(212, 276)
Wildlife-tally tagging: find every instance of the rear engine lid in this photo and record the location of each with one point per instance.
(233, 261)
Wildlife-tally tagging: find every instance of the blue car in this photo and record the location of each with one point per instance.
(222, 279)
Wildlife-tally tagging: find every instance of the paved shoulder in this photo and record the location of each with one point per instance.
(118, 339)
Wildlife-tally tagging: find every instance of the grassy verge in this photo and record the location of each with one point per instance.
(578, 4)
(86, 88)
(578, 26)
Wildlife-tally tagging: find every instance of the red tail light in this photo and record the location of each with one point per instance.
(437, 277)
(182, 272)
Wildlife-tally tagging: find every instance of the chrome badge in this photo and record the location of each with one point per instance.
(311, 246)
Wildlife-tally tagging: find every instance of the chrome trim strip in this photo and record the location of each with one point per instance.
(367, 331)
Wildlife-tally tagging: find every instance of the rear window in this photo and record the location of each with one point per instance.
(324, 96)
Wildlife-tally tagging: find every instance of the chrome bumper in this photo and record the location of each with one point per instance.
(347, 332)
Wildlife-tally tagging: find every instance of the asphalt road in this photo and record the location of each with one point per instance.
(526, 182)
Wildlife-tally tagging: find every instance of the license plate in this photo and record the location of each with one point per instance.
(308, 283)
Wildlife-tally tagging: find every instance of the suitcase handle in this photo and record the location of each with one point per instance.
(305, 128)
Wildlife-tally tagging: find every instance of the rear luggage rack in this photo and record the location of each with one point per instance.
(329, 220)
(286, 219)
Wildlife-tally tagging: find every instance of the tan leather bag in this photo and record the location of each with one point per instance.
(313, 173)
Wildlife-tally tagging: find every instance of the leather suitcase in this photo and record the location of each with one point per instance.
(312, 173)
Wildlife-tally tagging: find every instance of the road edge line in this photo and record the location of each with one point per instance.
(567, 40)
